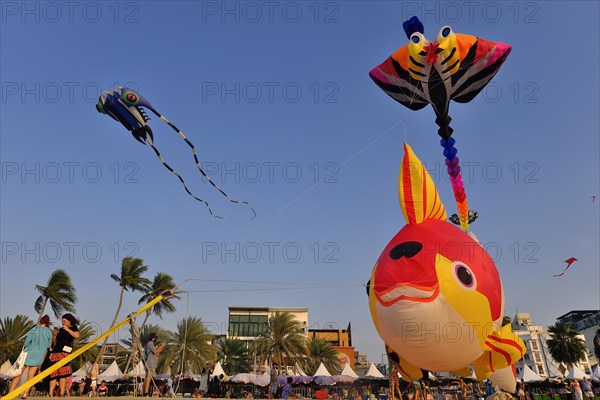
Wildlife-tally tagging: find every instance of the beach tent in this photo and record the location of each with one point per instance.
(322, 371)
(528, 375)
(111, 374)
(262, 380)
(347, 375)
(139, 371)
(218, 370)
(576, 373)
(373, 372)
(81, 373)
(243, 378)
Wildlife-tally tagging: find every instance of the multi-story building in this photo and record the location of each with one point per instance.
(339, 339)
(537, 356)
(110, 354)
(248, 323)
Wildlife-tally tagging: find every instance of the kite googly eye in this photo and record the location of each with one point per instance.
(465, 277)
(131, 98)
(417, 38)
(446, 31)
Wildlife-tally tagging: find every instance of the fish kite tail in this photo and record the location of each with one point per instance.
(456, 179)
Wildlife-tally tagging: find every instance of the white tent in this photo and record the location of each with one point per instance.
(347, 371)
(595, 372)
(111, 374)
(322, 371)
(81, 373)
(528, 375)
(243, 378)
(298, 371)
(262, 380)
(218, 370)
(5, 367)
(373, 372)
(576, 373)
(138, 371)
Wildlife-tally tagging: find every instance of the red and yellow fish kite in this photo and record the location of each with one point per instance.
(435, 294)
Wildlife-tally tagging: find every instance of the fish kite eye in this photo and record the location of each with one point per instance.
(465, 277)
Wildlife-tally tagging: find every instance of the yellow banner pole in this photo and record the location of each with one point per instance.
(76, 353)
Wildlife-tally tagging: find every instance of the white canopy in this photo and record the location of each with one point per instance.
(298, 371)
(347, 371)
(243, 378)
(595, 372)
(373, 372)
(83, 371)
(138, 371)
(218, 370)
(322, 371)
(5, 367)
(112, 373)
(528, 375)
(262, 380)
(576, 373)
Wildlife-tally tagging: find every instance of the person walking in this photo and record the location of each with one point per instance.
(37, 343)
(61, 349)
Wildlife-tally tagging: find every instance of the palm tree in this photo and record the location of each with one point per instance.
(283, 342)
(59, 291)
(161, 283)
(565, 345)
(130, 278)
(320, 351)
(87, 333)
(188, 349)
(12, 335)
(234, 356)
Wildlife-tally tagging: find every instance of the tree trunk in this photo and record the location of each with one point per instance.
(101, 352)
(43, 308)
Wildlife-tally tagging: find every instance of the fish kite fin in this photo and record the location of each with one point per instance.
(502, 349)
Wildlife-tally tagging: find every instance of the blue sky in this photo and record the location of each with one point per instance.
(277, 98)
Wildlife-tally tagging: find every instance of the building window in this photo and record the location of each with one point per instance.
(526, 357)
(534, 345)
(537, 357)
(540, 370)
(248, 325)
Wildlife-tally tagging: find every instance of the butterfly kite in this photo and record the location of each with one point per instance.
(125, 106)
(453, 66)
(569, 262)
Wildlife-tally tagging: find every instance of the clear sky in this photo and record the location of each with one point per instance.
(277, 98)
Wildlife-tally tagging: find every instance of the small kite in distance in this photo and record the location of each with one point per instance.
(593, 199)
(569, 262)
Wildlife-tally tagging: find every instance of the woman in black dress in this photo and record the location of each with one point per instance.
(62, 348)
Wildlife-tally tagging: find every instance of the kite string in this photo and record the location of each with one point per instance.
(167, 166)
(191, 145)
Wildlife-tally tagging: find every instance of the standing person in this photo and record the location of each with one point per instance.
(273, 384)
(203, 382)
(94, 375)
(597, 345)
(463, 389)
(152, 353)
(586, 387)
(61, 349)
(521, 389)
(37, 343)
(576, 388)
(395, 382)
